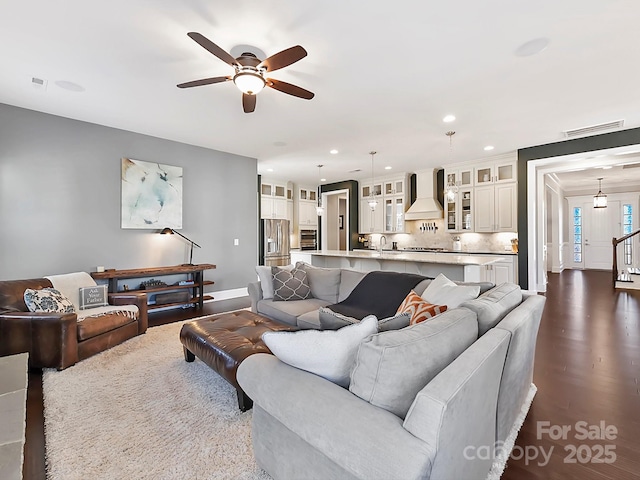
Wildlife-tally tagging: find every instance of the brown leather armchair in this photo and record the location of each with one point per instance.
(59, 340)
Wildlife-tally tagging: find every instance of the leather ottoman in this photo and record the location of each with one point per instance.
(224, 341)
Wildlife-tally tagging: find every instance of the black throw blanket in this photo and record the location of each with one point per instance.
(378, 293)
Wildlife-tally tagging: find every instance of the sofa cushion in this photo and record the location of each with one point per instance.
(392, 367)
(309, 320)
(266, 279)
(330, 320)
(288, 312)
(324, 282)
(290, 285)
(494, 305)
(94, 325)
(419, 309)
(348, 281)
(442, 291)
(329, 354)
(48, 300)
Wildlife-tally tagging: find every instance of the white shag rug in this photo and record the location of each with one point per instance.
(500, 461)
(139, 411)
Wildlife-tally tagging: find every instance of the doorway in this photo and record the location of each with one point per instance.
(335, 220)
(600, 226)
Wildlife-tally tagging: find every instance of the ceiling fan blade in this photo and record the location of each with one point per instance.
(290, 89)
(284, 58)
(204, 81)
(213, 48)
(248, 103)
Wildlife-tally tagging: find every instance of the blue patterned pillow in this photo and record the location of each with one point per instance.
(47, 300)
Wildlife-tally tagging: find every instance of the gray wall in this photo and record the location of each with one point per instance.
(60, 202)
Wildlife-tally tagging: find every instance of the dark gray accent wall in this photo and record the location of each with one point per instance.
(354, 203)
(60, 202)
(604, 141)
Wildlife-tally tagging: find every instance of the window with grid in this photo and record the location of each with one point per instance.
(627, 227)
(577, 234)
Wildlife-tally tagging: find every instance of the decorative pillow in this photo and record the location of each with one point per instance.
(442, 291)
(266, 279)
(392, 367)
(47, 300)
(324, 282)
(419, 309)
(290, 285)
(92, 297)
(327, 353)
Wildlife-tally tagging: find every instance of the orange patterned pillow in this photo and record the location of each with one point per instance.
(419, 309)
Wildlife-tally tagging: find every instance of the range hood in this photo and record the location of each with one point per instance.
(426, 205)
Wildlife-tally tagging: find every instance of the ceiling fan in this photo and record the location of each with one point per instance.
(250, 72)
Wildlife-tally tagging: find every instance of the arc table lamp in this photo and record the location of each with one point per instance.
(171, 231)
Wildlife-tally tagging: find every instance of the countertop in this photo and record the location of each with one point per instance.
(457, 258)
(457, 252)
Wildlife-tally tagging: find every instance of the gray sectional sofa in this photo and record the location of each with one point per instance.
(422, 400)
(328, 286)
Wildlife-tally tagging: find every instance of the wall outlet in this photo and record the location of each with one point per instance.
(236, 242)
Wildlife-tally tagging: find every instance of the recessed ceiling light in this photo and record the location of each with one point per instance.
(388, 167)
(269, 169)
(607, 167)
(488, 148)
(333, 152)
(532, 47)
(449, 118)
(323, 179)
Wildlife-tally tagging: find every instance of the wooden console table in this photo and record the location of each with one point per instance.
(196, 272)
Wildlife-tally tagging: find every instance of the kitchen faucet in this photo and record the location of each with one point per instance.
(382, 237)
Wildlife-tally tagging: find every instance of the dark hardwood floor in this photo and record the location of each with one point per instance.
(587, 370)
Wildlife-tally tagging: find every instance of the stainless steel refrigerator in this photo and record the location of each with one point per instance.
(274, 244)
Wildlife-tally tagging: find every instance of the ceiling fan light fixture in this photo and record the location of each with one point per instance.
(249, 81)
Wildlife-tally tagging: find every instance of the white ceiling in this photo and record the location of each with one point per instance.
(384, 75)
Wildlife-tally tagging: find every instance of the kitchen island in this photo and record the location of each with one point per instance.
(463, 267)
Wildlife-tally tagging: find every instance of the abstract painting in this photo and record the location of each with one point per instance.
(151, 195)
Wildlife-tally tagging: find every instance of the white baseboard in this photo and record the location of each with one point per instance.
(227, 294)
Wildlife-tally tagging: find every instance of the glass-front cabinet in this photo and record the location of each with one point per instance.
(498, 172)
(459, 211)
(394, 214)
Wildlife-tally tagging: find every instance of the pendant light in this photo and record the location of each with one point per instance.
(600, 199)
(373, 203)
(452, 189)
(319, 208)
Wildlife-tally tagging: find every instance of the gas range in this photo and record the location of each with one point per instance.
(424, 249)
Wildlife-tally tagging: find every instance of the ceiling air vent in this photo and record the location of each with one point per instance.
(594, 129)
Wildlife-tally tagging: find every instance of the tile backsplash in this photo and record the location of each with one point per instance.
(440, 238)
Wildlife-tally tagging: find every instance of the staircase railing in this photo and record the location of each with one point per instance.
(616, 242)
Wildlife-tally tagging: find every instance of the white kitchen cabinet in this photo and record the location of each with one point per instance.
(371, 221)
(394, 207)
(502, 271)
(307, 214)
(307, 204)
(458, 177)
(273, 199)
(458, 213)
(495, 208)
(392, 195)
(503, 171)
